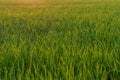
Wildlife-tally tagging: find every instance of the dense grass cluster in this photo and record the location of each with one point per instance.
(77, 40)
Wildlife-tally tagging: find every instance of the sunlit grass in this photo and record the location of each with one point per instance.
(70, 40)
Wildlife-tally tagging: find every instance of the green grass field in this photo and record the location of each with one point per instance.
(60, 40)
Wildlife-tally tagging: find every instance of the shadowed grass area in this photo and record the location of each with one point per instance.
(70, 40)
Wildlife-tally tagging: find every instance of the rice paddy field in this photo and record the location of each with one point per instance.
(60, 40)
